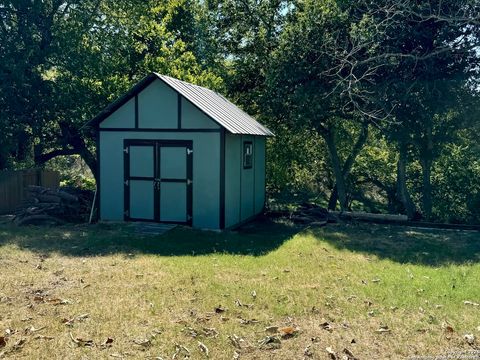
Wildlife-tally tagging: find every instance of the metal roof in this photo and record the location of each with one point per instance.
(214, 105)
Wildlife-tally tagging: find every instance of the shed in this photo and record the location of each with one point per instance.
(170, 151)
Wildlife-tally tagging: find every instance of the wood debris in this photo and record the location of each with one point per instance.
(44, 206)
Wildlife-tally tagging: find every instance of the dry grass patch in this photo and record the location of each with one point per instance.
(267, 292)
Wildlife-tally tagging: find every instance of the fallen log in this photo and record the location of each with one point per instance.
(369, 216)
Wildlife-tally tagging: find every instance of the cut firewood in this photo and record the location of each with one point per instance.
(44, 206)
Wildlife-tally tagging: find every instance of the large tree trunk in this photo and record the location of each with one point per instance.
(426, 163)
(402, 190)
(427, 188)
(72, 143)
(337, 168)
(347, 166)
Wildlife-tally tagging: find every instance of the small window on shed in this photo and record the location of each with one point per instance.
(247, 155)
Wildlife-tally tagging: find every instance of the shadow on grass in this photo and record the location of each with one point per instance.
(404, 244)
(256, 238)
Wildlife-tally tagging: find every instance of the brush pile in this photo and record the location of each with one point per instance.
(306, 213)
(44, 206)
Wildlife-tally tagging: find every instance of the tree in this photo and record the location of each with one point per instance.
(81, 55)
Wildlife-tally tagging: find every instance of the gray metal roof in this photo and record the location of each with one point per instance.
(214, 105)
(218, 108)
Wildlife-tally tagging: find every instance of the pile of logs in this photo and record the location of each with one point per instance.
(306, 214)
(44, 206)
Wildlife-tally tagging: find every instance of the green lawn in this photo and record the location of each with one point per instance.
(380, 292)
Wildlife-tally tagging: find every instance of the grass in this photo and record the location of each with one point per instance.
(154, 294)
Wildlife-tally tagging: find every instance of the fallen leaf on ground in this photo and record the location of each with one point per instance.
(31, 329)
(254, 294)
(236, 341)
(236, 356)
(69, 322)
(143, 342)
(57, 301)
(272, 342)
(19, 344)
(326, 326)
(447, 327)
(107, 343)
(470, 339)
(248, 321)
(210, 332)
(219, 309)
(203, 348)
(179, 350)
(331, 353)
(349, 355)
(383, 329)
(82, 342)
(43, 337)
(307, 352)
(375, 280)
(466, 302)
(288, 331)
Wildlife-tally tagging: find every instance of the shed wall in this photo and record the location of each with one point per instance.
(123, 117)
(192, 118)
(244, 188)
(206, 173)
(158, 107)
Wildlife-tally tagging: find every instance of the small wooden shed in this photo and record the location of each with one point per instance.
(170, 151)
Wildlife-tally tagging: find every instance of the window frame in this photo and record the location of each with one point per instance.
(247, 145)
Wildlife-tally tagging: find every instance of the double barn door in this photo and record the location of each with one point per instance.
(158, 180)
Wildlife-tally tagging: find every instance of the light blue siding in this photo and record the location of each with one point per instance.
(244, 188)
(247, 180)
(232, 179)
(124, 117)
(192, 118)
(158, 107)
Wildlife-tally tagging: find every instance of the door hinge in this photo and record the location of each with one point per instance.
(126, 182)
(126, 213)
(189, 182)
(125, 150)
(189, 217)
(189, 151)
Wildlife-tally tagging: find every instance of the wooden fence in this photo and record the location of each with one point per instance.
(13, 184)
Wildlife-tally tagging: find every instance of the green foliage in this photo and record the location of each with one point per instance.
(73, 172)
(456, 186)
(296, 163)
